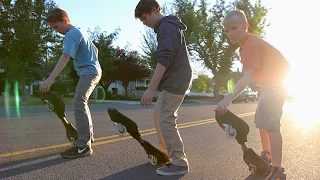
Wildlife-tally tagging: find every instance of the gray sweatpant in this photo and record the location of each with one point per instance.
(82, 114)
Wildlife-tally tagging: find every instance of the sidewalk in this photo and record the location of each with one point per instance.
(138, 102)
(40, 110)
(120, 102)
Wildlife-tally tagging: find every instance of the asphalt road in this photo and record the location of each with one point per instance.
(30, 145)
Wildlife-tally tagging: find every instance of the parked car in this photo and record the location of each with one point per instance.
(247, 95)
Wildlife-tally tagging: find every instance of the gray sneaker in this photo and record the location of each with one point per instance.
(171, 170)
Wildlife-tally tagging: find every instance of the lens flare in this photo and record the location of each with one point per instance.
(230, 85)
(17, 98)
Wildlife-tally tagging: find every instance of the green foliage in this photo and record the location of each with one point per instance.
(202, 83)
(23, 37)
(256, 15)
(205, 37)
(104, 42)
(149, 47)
(30, 49)
(129, 69)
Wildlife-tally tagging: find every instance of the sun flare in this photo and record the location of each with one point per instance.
(302, 114)
(303, 101)
(302, 86)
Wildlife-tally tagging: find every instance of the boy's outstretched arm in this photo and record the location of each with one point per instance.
(149, 93)
(246, 79)
(63, 61)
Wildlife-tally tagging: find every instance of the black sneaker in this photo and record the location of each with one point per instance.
(76, 152)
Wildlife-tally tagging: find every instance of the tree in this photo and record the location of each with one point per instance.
(129, 69)
(23, 35)
(256, 15)
(53, 53)
(207, 41)
(5, 37)
(185, 10)
(202, 83)
(106, 55)
(149, 47)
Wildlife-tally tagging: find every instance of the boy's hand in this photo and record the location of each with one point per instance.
(222, 106)
(45, 85)
(147, 97)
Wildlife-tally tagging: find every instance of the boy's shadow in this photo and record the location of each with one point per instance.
(142, 172)
(48, 160)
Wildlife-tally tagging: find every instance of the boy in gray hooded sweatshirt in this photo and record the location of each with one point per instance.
(172, 77)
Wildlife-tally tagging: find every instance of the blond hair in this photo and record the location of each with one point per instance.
(238, 13)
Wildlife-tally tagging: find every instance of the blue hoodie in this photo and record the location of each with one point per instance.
(173, 54)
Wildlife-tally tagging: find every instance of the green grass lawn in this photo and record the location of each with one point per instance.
(35, 101)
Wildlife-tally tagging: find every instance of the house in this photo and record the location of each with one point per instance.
(132, 87)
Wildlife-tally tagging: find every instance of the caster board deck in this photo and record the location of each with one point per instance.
(234, 126)
(125, 124)
(237, 128)
(55, 104)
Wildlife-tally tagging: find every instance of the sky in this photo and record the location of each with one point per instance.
(293, 28)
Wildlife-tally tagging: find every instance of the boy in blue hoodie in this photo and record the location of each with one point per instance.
(172, 77)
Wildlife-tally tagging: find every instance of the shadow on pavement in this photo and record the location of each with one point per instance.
(23, 166)
(142, 172)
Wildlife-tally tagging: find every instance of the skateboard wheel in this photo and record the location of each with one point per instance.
(152, 160)
(231, 132)
(252, 169)
(48, 105)
(121, 130)
(72, 141)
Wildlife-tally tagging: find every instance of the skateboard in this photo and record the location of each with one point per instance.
(55, 103)
(237, 128)
(124, 124)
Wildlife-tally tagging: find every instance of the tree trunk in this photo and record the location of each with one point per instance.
(125, 85)
(216, 91)
(217, 86)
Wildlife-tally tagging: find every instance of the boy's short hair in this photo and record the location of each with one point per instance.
(146, 7)
(57, 15)
(240, 14)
